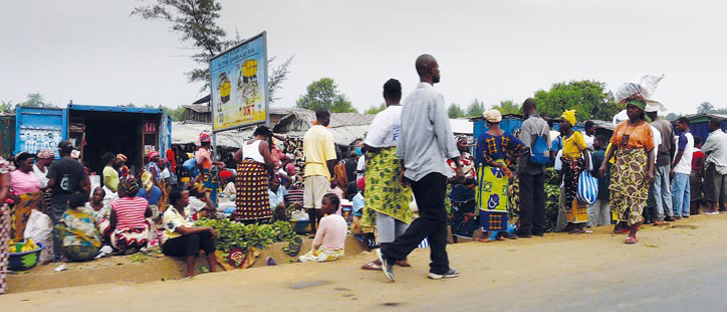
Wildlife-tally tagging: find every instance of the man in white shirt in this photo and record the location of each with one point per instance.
(681, 168)
(590, 134)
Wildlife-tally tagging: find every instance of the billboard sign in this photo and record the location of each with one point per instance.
(239, 83)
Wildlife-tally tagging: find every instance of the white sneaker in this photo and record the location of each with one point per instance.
(452, 273)
(386, 266)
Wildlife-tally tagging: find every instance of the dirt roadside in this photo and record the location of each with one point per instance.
(342, 285)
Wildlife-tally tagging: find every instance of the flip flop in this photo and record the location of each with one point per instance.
(403, 263)
(372, 266)
(294, 247)
(631, 240)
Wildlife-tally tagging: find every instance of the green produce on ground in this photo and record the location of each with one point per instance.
(232, 234)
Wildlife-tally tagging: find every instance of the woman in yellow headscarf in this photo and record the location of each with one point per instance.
(575, 159)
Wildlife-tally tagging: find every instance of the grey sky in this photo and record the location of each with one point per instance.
(93, 52)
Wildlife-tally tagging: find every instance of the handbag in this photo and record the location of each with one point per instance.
(587, 192)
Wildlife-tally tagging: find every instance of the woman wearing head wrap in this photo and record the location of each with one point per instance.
(40, 169)
(128, 229)
(121, 164)
(574, 160)
(632, 172)
(491, 160)
(5, 168)
(207, 168)
(252, 200)
(26, 193)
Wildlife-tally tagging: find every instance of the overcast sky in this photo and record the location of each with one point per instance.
(93, 52)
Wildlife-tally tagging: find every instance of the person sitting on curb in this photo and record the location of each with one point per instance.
(183, 239)
(81, 238)
(331, 235)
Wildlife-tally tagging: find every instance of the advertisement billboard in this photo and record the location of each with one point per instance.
(239, 83)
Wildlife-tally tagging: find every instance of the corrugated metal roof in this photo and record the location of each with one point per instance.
(200, 108)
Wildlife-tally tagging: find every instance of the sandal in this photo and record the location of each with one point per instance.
(372, 266)
(661, 223)
(403, 263)
(631, 240)
(577, 231)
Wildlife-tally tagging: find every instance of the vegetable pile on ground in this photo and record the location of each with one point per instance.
(232, 234)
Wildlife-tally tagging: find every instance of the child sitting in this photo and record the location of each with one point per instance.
(331, 235)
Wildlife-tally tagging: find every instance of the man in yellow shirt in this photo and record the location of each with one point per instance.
(320, 158)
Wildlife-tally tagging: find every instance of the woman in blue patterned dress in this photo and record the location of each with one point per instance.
(493, 175)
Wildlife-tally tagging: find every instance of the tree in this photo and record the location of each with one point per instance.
(376, 109)
(177, 114)
(507, 107)
(587, 97)
(7, 108)
(672, 117)
(196, 22)
(36, 100)
(476, 108)
(722, 111)
(324, 94)
(454, 111)
(705, 108)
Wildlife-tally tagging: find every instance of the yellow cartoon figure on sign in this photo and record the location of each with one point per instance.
(247, 85)
(224, 85)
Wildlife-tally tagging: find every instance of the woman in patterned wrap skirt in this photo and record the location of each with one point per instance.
(632, 173)
(253, 170)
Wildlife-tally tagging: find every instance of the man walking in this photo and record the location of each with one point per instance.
(320, 158)
(532, 174)
(681, 168)
(65, 177)
(426, 141)
(715, 172)
(661, 190)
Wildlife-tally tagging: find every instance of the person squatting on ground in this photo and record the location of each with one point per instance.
(426, 141)
(81, 237)
(183, 239)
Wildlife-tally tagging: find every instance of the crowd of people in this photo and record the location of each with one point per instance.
(407, 181)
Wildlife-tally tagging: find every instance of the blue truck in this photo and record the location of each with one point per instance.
(94, 130)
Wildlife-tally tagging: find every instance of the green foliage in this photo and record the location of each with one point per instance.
(36, 100)
(196, 22)
(7, 107)
(375, 109)
(177, 113)
(324, 93)
(507, 107)
(232, 234)
(454, 111)
(705, 108)
(552, 194)
(587, 97)
(476, 108)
